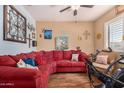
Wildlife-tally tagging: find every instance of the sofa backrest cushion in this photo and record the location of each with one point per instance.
(83, 56)
(18, 57)
(37, 52)
(58, 55)
(7, 61)
(40, 59)
(76, 52)
(49, 55)
(30, 55)
(67, 55)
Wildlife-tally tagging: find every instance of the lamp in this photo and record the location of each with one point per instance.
(75, 7)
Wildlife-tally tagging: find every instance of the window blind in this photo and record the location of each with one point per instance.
(115, 34)
(116, 31)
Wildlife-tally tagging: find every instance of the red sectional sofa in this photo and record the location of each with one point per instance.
(48, 62)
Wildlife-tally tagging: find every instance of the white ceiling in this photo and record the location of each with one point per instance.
(51, 12)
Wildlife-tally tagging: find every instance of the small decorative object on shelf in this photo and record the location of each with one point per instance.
(78, 48)
(14, 25)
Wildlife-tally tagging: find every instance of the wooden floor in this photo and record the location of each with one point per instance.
(69, 80)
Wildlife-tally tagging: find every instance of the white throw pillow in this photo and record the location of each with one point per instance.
(102, 59)
(21, 64)
(31, 67)
(74, 57)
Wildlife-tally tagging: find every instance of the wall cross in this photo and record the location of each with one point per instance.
(86, 34)
(29, 40)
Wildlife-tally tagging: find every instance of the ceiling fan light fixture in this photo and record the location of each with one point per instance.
(75, 7)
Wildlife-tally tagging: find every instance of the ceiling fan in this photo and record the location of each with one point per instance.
(75, 8)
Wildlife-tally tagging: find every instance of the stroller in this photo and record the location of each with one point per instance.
(116, 80)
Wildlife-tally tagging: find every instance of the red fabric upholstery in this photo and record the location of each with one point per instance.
(30, 55)
(20, 78)
(31, 78)
(71, 69)
(70, 63)
(40, 59)
(18, 73)
(49, 55)
(58, 55)
(67, 55)
(83, 56)
(18, 57)
(7, 61)
(37, 52)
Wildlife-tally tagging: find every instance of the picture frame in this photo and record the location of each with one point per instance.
(33, 35)
(47, 33)
(61, 43)
(14, 25)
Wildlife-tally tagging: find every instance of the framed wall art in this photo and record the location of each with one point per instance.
(61, 43)
(33, 35)
(47, 33)
(14, 25)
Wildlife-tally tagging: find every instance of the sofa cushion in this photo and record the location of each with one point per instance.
(45, 69)
(21, 64)
(66, 63)
(67, 55)
(29, 61)
(49, 55)
(102, 59)
(75, 57)
(7, 61)
(40, 59)
(18, 57)
(83, 56)
(14, 73)
(58, 55)
(37, 52)
(30, 55)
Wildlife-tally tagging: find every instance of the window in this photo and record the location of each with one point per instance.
(115, 32)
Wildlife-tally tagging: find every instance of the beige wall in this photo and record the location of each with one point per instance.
(99, 27)
(70, 29)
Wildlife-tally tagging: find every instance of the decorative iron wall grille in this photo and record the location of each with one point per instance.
(14, 25)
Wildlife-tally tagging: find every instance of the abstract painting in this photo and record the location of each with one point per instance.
(61, 43)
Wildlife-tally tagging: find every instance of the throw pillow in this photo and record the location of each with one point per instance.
(102, 59)
(21, 64)
(30, 61)
(31, 67)
(74, 57)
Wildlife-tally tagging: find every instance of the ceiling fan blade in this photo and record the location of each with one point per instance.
(65, 9)
(75, 12)
(88, 6)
